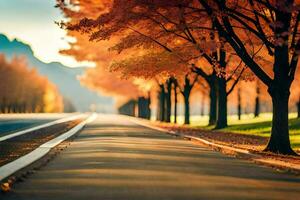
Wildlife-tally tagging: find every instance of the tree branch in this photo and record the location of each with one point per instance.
(236, 44)
(155, 41)
(235, 82)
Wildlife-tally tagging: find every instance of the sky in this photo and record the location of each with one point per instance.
(32, 22)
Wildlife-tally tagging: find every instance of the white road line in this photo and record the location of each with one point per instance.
(65, 119)
(12, 167)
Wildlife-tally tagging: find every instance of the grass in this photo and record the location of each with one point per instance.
(260, 126)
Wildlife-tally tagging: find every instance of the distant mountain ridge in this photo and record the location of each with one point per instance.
(63, 77)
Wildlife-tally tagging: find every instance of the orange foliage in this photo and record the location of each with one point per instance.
(24, 90)
(82, 49)
(134, 25)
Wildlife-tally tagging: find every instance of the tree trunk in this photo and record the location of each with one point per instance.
(158, 111)
(222, 104)
(211, 81)
(257, 107)
(213, 103)
(298, 109)
(186, 107)
(239, 104)
(168, 101)
(143, 108)
(127, 108)
(257, 101)
(279, 141)
(279, 89)
(148, 115)
(161, 102)
(175, 103)
(186, 95)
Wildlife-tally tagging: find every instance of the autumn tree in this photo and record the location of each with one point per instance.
(166, 69)
(99, 78)
(275, 25)
(127, 108)
(147, 23)
(24, 90)
(130, 41)
(257, 100)
(271, 26)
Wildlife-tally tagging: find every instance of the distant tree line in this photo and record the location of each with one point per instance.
(138, 108)
(23, 90)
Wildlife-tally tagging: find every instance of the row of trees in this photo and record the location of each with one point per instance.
(139, 108)
(179, 43)
(249, 97)
(23, 90)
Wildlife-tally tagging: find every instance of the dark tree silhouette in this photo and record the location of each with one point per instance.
(275, 25)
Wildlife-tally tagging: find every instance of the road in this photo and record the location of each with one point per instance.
(115, 159)
(15, 122)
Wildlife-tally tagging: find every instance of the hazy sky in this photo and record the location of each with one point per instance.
(32, 21)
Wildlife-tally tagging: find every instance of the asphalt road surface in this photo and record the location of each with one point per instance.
(15, 122)
(114, 159)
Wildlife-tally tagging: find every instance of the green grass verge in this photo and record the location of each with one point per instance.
(260, 126)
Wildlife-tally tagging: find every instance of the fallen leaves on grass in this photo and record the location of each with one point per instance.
(251, 143)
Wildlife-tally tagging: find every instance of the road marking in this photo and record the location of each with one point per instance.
(65, 119)
(12, 167)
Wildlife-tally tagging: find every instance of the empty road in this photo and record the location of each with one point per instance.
(15, 122)
(115, 159)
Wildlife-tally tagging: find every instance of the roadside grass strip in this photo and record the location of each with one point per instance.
(16, 165)
(18, 133)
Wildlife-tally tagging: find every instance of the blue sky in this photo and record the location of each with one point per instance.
(32, 21)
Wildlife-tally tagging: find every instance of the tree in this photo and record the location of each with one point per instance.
(100, 78)
(251, 29)
(169, 84)
(144, 107)
(257, 100)
(239, 108)
(175, 86)
(127, 108)
(185, 89)
(145, 23)
(298, 108)
(275, 25)
(161, 66)
(24, 90)
(161, 103)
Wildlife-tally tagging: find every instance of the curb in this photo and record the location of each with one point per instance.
(42, 150)
(245, 153)
(220, 147)
(223, 148)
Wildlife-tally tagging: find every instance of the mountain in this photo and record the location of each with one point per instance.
(65, 78)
